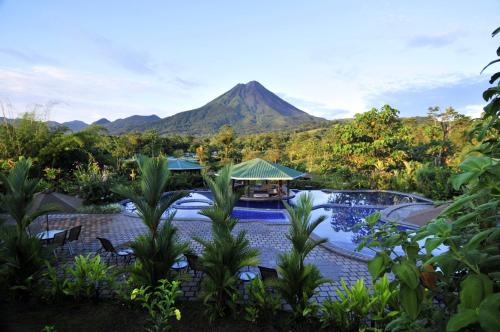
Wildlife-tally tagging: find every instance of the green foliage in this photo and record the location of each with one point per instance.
(100, 209)
(458, 285)
(160, 248)
(53, 284)
(94, 183)
(21, 255)
(160, 303)
(357, 309)
(433, 181)
(225, 254)
(262, 303)
(18, 196)
(21, 260)
(298, 281)
(87, 277)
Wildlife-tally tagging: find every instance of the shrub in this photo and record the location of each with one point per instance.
(357, 309)
(94, 183)
(87, 277)
(21, 260)
(262, 304)
(434, 182)
(159, 303)
(100, 209)
(53, 284)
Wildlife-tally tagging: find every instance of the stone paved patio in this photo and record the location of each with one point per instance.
(269, 239)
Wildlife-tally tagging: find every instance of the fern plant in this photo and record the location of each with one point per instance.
(157, 250)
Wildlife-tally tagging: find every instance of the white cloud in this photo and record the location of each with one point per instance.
(474, 111)
(85, 96)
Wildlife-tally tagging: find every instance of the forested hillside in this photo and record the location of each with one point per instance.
(377, 149)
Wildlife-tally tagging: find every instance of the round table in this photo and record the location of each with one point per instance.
(179, 265)
(247, 276)
(49, 235)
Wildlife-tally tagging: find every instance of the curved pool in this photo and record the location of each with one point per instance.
(343, 209)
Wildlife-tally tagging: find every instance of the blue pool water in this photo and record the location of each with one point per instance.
(343, 210)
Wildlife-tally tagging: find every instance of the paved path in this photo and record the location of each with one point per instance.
(269, 239)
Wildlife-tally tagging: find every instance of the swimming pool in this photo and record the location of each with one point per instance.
(188, 208)
(343, 210)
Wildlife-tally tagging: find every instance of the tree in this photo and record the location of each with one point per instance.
(298, 280)
(225, 138)
(157, 250)
(21, 254)
(455, 288)
(446, 121)
(225, 254)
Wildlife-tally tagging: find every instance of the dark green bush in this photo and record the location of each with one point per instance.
(434, 182)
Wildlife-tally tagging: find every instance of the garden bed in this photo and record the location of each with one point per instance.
(113, 316)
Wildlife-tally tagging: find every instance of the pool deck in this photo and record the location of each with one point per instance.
(268, 238)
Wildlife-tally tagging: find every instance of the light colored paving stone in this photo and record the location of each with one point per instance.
(269, 239)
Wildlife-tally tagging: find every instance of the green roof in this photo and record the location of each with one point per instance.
(259, 169)
(175, 164)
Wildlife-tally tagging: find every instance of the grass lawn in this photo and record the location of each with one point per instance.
(113, 316)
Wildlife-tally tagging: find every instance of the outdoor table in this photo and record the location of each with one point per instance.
(179, 265)
(48, 235)
(247, 276)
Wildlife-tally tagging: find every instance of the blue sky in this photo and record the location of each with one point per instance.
(93, 59)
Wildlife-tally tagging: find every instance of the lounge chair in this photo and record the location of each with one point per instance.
(194, 265)
(268, 275)
(74, 235)
(59, 241)
(112, 252)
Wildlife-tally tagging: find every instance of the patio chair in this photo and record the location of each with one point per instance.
(268, 275)
(74, 235)
(59, 241)
(112, 252)
(194, 265)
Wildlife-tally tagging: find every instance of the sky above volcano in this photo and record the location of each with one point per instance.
(92, 59)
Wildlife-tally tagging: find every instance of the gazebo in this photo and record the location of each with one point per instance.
(263, 180)
(177, 164)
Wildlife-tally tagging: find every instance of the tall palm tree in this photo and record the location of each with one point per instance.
(157, 250)
(302, 227)
(18, 197)
(298, 281)
(225, 254)
(21, 255)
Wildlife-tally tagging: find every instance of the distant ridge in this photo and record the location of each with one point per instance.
(101, 122)
(132, 123)
(75, 125)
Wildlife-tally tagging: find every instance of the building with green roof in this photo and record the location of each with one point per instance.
(177, 164)
(264, 180)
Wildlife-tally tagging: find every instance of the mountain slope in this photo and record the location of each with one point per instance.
(101, 122)
(130, 123)
(248, 108)
(75, 125)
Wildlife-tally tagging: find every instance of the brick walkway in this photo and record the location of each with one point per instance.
(269, 239)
